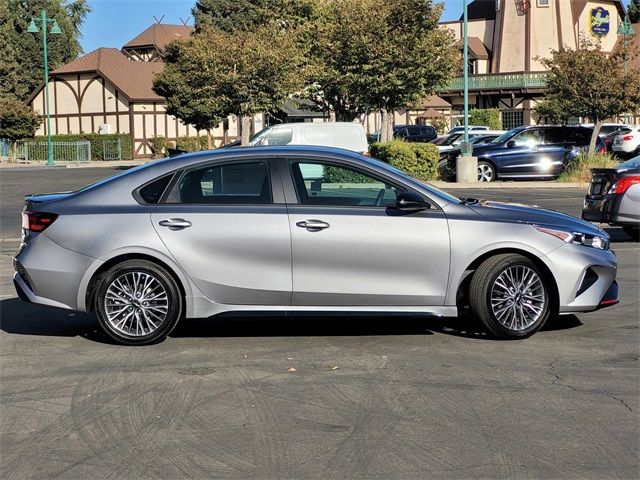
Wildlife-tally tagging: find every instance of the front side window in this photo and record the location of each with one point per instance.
(529, 138)
(414, 131)
(336, 185)
(245, 183)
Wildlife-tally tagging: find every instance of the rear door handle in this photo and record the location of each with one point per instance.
(175, 223)
(313, 225)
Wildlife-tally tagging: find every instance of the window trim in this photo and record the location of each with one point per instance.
(179, 174)
(291, 193)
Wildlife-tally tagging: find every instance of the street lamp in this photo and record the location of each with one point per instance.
(625, 29)
(466, 147)
(55, 30)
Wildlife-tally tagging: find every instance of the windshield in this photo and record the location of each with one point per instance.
(506, 135)
(450, 139)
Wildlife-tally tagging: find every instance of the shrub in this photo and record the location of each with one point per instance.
(579, 169)
(490, 117)
(97, 151)
(340, 175)
(420, 160)
(191, 144)
(158, 145)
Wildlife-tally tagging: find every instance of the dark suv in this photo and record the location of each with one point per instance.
(409, 133)
(536, 152)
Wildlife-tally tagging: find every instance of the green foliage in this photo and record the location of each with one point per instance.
(97, 150)
(490, 117)
(440, 124)
(579, 169)
(21, 56)
(244, 15)
(159, 145)
(17, 121)
(340, 175)
(590, 83)
(420, 160)
(215, 74)
(372, 55)
(634, 11)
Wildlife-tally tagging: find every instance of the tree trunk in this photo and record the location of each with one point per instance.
(245, 130)
(594, 137)
(386, 130)
(15, 152)
(209, 143)
(345, 116)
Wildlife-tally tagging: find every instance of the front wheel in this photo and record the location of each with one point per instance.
(138, 302)
(510, 296)
(486, 172)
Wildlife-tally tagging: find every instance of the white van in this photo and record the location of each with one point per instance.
(349, 136)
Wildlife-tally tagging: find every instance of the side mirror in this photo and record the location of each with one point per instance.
(411, 202)
(511, 143)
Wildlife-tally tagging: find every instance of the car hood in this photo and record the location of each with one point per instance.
(514, 212)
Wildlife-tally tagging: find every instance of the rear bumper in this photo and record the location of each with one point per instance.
(600, 209)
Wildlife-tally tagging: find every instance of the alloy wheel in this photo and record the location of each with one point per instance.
(485, 173)
(518, 297)
(136, 303)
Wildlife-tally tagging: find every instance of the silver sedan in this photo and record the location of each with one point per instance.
(301, 229)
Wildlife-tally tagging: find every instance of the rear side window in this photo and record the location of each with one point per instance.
(244, 183)
(414, 131)
(152, 192)
(557, 135)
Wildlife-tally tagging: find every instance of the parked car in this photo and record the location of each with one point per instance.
(443, 165)
(472, 128)
(610, 138)
(347, 135)
(409, 133)
(606, 128)
(245, 230)
(614, 197)
(454, 140)
(628, 143)
(533, 152)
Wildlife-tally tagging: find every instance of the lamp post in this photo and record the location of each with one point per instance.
(625, 29)
(466, 76)
(55, 30)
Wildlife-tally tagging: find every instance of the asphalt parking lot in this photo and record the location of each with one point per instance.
(370, 397)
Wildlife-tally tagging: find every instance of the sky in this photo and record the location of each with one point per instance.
(112, 23)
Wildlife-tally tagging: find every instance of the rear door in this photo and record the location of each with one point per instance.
(351, 246)
(226, 224)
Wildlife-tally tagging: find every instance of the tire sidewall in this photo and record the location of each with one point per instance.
(493, 170)
(175, 302)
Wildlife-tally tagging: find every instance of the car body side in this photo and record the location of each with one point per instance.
(110, 225)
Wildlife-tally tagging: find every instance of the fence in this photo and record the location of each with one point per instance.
(112, 149)
(78, 152)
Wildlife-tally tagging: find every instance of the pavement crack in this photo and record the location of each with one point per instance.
(622, 402)
(556, 378)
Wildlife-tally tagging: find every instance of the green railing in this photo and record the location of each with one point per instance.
(500, 81)
(79, 152)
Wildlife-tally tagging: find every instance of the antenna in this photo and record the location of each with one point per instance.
(185, 22)
(156, 19)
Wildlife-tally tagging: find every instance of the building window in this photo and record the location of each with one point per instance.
(543, 3)
(472, 67)
(512, 119)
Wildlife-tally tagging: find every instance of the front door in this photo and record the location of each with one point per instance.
(523, 156)
(352, 247)
(222, 226)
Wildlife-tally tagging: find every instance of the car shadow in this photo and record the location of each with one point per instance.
(22, 318)
(618, 235)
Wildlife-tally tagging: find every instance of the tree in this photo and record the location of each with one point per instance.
(634, 11)
(17, 121)
(588, 82)
(486, 116)
(215, 74)
(21, 61)
(376, 55)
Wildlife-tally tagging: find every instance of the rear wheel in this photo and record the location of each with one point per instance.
(510, 297)
(486, 172)
(138, 302)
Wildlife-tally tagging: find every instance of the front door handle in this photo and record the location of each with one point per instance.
(175, 223)
(313, 225)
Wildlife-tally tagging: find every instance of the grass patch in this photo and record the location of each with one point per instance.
(579, 169)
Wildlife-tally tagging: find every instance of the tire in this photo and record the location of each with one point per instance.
(633, 232)
(486, 172)
(443, 170)
(489, 297)
(138, 303)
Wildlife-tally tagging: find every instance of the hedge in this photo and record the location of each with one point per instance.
(188, 144)
(491, 117)
(96, 142)
(341, 175)
(420, 160)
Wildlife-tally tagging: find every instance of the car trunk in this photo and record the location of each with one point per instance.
(601, 181)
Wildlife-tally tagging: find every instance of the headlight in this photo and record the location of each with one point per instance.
(577, 238)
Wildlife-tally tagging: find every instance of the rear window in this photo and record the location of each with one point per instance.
(152, 192)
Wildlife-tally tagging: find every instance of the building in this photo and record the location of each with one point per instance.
(110, 91)
(507, 39)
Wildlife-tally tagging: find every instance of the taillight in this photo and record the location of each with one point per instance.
(603, 149)
(37, 221)
(627, 138)
(623, 185)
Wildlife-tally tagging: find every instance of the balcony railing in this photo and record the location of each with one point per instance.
(501, 81)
